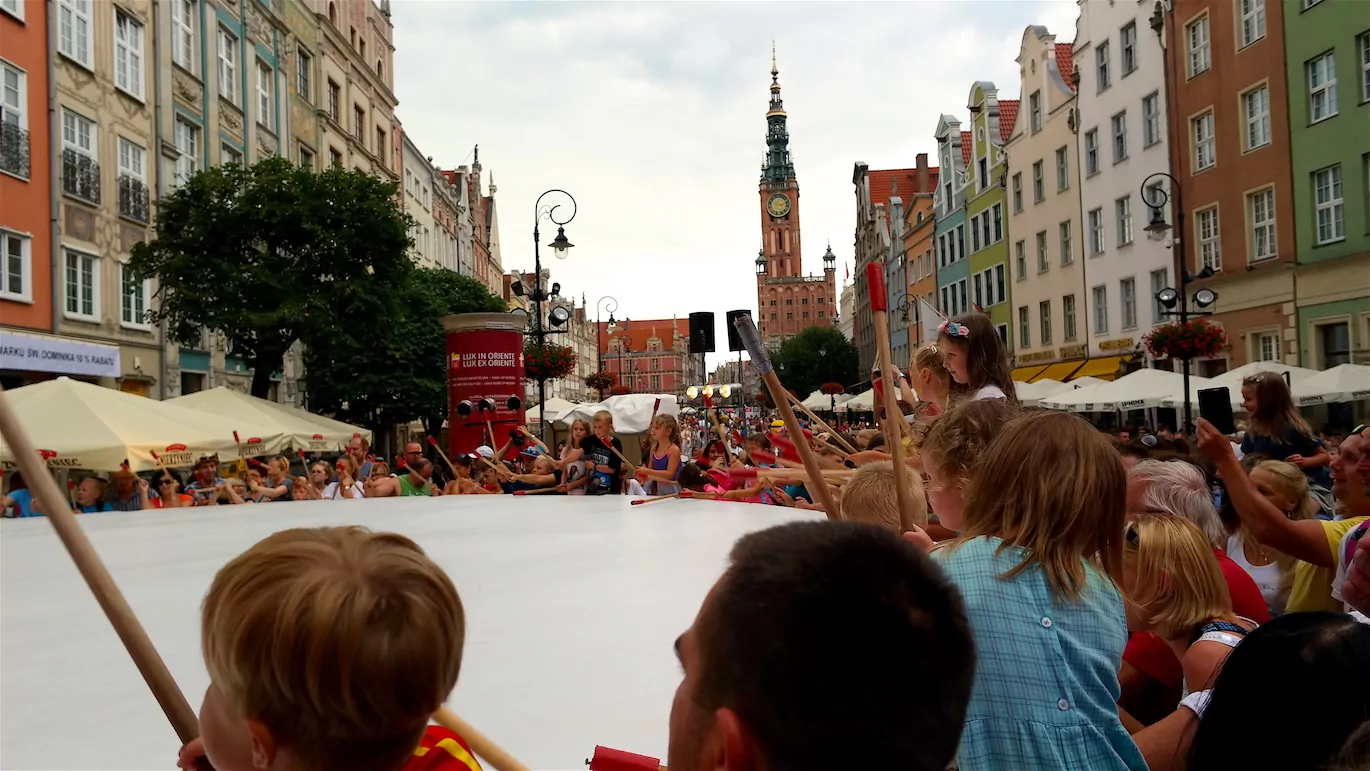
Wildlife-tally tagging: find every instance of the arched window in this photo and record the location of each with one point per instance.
(784, 240)
(380, 70)
(333, 14)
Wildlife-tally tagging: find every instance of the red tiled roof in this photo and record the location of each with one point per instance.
(1066, 62)
(965, 148)
(882, 184)
(1008, 115)
(639, 331)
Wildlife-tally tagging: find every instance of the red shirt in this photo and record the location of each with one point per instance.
(1150, 654)
(442, 750)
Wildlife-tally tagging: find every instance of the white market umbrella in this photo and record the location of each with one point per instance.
(1342, 383)
(862, 402)
(78, 425)
(1030, 394)
(817, 401)
(1133, 391)
(1233, 377)
(302, 429)
(556, 407)
(1086, 382)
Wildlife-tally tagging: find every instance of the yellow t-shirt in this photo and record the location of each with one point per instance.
(1312, 585)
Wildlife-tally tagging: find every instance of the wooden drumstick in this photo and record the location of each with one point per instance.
(98, 578)
(875, 280)
(480, 743)
(443, 455)
(761, 362)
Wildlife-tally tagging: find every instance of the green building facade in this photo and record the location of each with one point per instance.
(986, 204)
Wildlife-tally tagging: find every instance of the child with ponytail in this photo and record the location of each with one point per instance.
(976, 359)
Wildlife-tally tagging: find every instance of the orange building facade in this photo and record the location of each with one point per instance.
(651, 356)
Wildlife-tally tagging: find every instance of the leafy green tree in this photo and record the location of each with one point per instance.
(273, 253)
(394, 370)
(815, 356)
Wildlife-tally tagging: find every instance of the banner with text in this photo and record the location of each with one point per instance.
(46, 353)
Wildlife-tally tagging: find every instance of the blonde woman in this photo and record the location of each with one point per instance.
(1174, 588)
(1286, 487)
(930, 381)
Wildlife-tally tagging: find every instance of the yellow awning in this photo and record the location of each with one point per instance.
(1060, 371)
(1104, 368)
(1025, 374)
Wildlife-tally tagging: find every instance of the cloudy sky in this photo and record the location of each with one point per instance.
(652, 115)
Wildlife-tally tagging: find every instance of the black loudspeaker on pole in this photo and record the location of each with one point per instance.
(735, 342)
(702, 332)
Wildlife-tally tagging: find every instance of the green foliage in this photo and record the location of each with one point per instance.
(273, 253)
(815, 356)
(394, 370)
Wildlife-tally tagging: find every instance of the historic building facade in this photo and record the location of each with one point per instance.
(651, 356)
(357, 73)
(1327, 53)
(949, 204)
(1044, 210)
(920, 253)
(991, 121)
(787, 300)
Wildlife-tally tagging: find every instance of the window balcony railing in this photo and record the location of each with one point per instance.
(80, 176)
(14, 150)
(134, 199)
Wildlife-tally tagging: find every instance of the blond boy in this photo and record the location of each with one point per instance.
(870, 496)
(329, 649)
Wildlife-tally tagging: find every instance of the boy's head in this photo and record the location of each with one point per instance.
(327, 648)
(869, 496)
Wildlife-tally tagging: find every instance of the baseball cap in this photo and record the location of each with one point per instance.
(485, 451)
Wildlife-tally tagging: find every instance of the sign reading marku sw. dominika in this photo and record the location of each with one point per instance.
(46, 353)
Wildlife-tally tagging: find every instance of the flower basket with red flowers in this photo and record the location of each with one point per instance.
(764, 399)
(547, 361)
(601, 381)
(1193, 339)
(620, 390)
(832, 389)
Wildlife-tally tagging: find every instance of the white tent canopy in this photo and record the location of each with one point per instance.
(85, 426)
(556, 407)
(1134, 391)
(1030, 394)
(862, 402)
(302, 429)
(1342, 383)
(1305, 385)
(632, 412)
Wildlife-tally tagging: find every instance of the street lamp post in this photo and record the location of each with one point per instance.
(611, 304)
(1156, 199)
(560, 246)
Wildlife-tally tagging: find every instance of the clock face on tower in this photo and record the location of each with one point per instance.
(778, 205)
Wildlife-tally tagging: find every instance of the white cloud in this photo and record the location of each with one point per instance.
(652, 115)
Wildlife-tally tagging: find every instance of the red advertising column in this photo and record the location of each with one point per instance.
(485, 383)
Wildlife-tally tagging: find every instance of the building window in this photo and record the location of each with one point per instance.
(1000, 284)
(1151, 119)
(1200, 57)
(228, 66)
(1335, 342)
(14, 8)
(1364, 41)
(1267, 346)
(82, 285)
(1322, 87)
(1253, 21)
(1067, 254)
(304, 68)
(1328, 204)
(1096, 231)
(187, 137)
(1091, 152)
(1256, 105)
(128, 54)
(184, 22)
(1120, 136)
(982, 179)
(998, 211)
(1100, 310)
(1101, 65)
(1128, 39)
(1020, 258)
(1043, 262)
(230, 154)
(1261, 208)
(1068, 316)
(333, 99)
(358, 119)
(1159, 279)
(1038, 184)
(1044, 321)
(80, 157)
(975, 234)
(16, 251)
(133, 299)
(1127, 296)
(133, 190)
(1210, 249)
(1062, 169)
(14, 124)
(265, 99)
(1035, 111)
(335, 159)
(1123, 208)
(1024, 339)
(73, 31)
(1018, 192)
(1205, 154)
(383, 152)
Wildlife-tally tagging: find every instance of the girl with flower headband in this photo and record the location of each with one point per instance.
(975, 357)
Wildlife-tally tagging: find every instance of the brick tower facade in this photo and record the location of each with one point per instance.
(787, 300)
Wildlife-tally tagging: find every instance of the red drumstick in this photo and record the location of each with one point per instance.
(787, 449)
(606, 759)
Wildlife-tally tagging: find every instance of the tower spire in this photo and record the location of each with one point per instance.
(779, 164)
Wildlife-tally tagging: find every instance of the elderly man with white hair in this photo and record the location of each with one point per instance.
(1151, 676)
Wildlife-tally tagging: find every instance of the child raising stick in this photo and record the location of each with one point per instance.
(663, 469)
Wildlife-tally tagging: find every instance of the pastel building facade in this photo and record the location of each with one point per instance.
(987, 220)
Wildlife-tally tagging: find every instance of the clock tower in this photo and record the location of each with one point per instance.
(788, 301)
